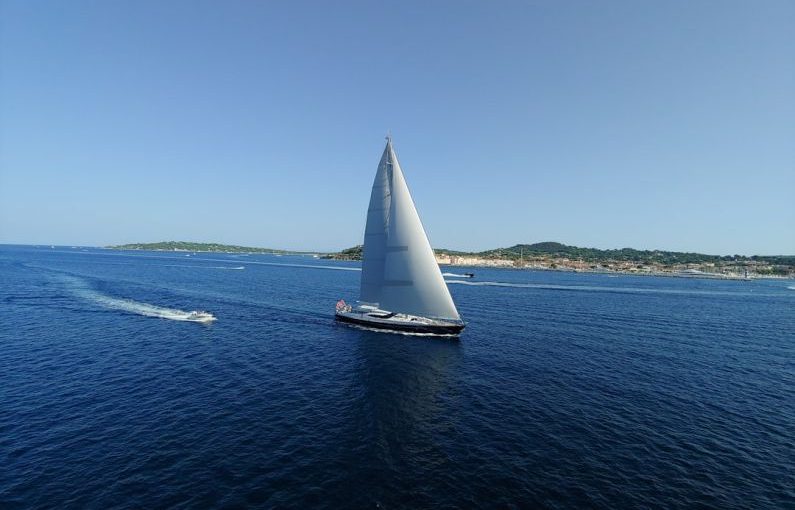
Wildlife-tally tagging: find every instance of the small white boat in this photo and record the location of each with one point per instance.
(200, 316)
(402, 288)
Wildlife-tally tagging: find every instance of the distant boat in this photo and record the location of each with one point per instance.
(199, 316)
(456, 275)
(402, 288)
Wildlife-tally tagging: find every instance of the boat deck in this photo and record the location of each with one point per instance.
(399, 322)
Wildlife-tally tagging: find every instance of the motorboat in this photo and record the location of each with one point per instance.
(200, 316)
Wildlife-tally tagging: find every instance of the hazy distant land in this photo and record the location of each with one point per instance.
(550, 255)
(198, 247)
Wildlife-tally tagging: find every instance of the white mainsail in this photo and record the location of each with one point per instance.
(399, 269)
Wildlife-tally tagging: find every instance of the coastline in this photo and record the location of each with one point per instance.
(560, 265)
(614, 268)
(742, 270)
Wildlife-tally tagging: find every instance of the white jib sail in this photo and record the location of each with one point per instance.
(399, 269)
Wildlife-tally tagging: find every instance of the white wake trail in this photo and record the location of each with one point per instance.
(80, 289)
(196, 266)
(505, 284)
(280, 264)
(594, 288)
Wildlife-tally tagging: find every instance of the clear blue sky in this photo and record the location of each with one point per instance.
(659, 125)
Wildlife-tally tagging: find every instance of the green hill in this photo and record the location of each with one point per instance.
(526, 252)
(551, 249)
(188, 246)
(558, 250)
(354, 253)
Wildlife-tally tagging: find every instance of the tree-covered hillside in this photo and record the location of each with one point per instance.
(552, 249)
(559, 250)
(526, 252)
(354, 253)
(188, 246)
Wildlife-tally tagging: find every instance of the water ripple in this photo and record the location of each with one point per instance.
(559, 394)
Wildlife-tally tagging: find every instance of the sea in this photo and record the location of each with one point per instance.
(565, 390)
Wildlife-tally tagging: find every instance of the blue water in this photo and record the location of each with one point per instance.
(565, 390)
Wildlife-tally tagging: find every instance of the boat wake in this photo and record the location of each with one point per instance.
(501, 284)
(81, 289)
(228, 268)
(279, 264)
(456, 275)
(594, 288)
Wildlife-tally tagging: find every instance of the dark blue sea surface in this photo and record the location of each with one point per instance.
(565, 390)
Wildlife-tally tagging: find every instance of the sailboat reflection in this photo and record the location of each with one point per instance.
(407, 404)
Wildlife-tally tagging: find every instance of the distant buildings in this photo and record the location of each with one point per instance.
(728, 269)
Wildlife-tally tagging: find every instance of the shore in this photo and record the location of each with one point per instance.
(704, 271)
(549, 256)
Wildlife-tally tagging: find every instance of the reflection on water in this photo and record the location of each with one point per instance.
(406, 408)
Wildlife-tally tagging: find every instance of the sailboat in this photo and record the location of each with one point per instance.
(402, 288)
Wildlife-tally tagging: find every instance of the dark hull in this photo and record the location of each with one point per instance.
(433, 329)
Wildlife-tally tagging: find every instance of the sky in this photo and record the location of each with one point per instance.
(652, 125)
